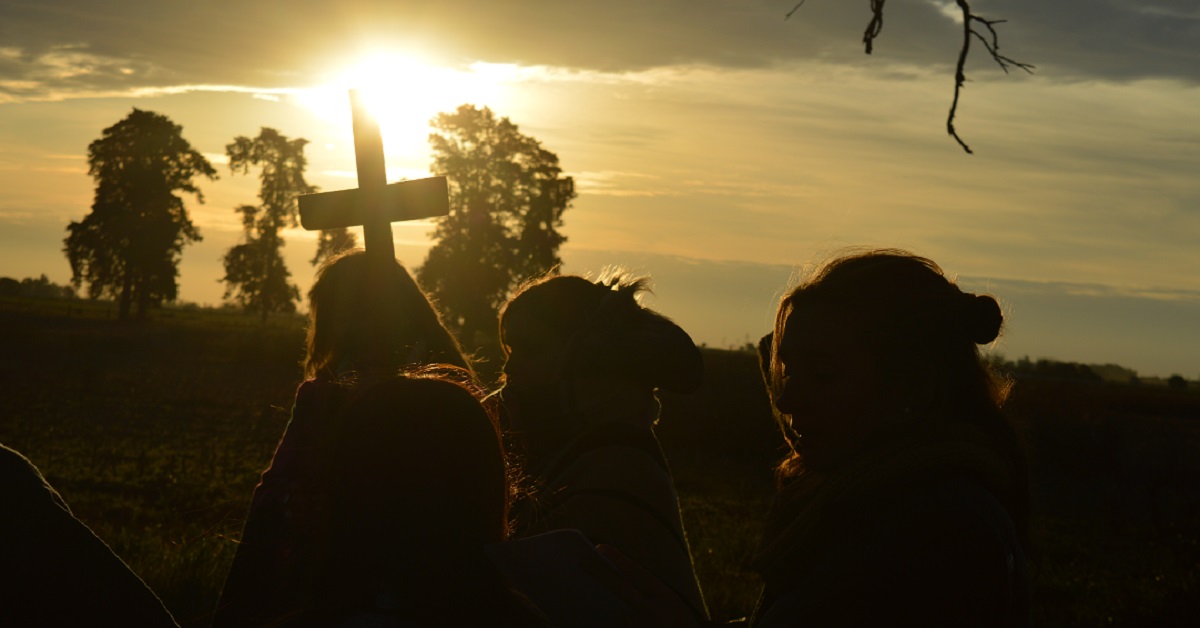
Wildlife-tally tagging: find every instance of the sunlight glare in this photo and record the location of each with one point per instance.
(405, 93)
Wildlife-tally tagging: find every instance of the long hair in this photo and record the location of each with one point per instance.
(925, 334)
(360, 317)
(418, 484)
(423, 450)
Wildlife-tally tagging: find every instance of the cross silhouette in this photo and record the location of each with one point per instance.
(375, 205)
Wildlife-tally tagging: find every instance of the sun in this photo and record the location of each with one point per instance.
(404, 92)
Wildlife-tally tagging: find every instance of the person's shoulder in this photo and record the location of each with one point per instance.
(23, 481)
(945, 550)
(620, 438)
(954, 502)
(317, 396)
(13, 463)
(316, 389)
(947, 525)
(612, 454)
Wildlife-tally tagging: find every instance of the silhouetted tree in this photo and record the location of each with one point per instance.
(129, 246)
(255, 274)
(507, 197)
(9, 287)
(1177, 382)
(43, 288)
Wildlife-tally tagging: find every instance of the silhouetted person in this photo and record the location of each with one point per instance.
(360, 318)
(54, 571)
(417, 485)
(905, 500)
(363, 321)
(584, 360)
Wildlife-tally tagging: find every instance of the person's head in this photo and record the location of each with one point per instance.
(418, 472)
(875, 344)
(570, 341)
(364, 315)
(566, 326)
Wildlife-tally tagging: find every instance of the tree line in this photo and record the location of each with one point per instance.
(507, 198)
(39, 288)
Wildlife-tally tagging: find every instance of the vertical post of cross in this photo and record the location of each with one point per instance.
(374, 205)
(372, 181)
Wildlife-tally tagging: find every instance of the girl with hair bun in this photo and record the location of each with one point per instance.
(584, 361)
(905, 497)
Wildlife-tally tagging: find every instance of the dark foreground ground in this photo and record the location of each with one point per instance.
(155, 434)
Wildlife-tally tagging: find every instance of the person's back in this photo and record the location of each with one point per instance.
(54, 571)
(364, 321)
(413, 485)
(933, 550)
(418, 486)
(282, 525)
(613, 484)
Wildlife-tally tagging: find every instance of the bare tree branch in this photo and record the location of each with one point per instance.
(960, 75)
(875, 26)
(993, 47)
(990, 41)
(794, 9)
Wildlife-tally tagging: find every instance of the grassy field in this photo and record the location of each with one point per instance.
(155, 434)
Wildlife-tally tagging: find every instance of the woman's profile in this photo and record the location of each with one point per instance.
(905, 500)
(584, 361)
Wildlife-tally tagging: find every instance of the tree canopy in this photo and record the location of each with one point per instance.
(255, 273)
(507, 198)
(129, 246)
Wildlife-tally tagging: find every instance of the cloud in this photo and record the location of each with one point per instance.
(70, 47)
(61, 69)
(949, 9)
(1082, 289)
(619, 183)
(1151, 330)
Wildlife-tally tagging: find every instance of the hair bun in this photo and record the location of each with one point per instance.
(982, 317)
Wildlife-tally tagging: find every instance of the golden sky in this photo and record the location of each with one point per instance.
(714, 144)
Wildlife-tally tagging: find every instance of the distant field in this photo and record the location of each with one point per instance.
(155, 434)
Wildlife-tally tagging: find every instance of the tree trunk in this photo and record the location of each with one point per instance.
(264, 295)
(143, 305)
(126, 298)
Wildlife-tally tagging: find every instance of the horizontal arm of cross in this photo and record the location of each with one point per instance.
(403, 200)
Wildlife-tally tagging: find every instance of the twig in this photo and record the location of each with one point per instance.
(875, 26)
(794, 9)
(991, 43)
(993, 47)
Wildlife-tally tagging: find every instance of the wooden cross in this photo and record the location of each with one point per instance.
(375, 205)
